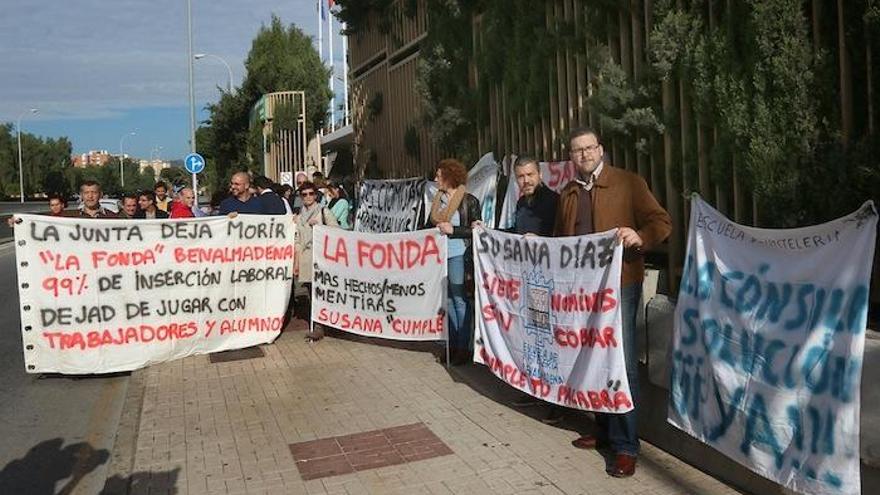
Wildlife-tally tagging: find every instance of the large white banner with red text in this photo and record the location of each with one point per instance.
(101, 296)
(554, 174)
(549, 317)
(391, 286)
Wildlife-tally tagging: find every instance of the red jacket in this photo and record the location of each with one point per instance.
(180, 210)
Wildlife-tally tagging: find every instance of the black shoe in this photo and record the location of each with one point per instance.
(527, 402)
(554, 416)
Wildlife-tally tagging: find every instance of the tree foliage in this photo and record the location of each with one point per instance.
(750, 71)
(44, 163)
(281, 58)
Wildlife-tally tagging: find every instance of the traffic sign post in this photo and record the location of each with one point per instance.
(194, 164)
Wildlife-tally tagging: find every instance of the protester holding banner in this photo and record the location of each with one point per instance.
(604, 197)
(270, 202)
(535, 215)
(536, 208)
(90, 193)
(241, 200)
(285, 192)
(129, 205)
(312, 214)
(297, 199)
(57, 205)
(163, 202)
(338, 204)
(453, 211)
(147, 207)
(182, 206)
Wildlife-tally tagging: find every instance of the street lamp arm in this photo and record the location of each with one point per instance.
(199, 56)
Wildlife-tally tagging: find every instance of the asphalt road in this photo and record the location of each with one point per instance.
(56, 432)
(8, 208)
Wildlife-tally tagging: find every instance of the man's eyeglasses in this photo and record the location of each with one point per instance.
(307, 193)
(586, 149)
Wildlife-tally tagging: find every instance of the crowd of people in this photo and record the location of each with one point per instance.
(600, 198)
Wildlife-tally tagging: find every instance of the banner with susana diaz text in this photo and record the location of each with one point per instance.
(391, 286)
(767, 348)
(549, 321)
(101, 296)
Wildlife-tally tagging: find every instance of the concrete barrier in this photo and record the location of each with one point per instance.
(654, 428)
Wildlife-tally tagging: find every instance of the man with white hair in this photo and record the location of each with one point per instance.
(182, 206)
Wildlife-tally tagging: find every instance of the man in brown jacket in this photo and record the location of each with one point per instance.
(604, 197)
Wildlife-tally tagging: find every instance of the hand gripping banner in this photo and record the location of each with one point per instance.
(101, 296)
(549, 321)
(767, 348)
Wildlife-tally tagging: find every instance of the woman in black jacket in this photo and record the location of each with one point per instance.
(453, 211)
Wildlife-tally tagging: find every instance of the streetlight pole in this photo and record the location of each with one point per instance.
(122, 159)
(20, 170)
(192, 99)
(199, 56)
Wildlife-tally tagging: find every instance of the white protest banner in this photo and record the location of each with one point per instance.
(554, 174)
(390, 205)
(380, 285)
(549, 317)
(100, 296)
(430, 191)
(768, 342)
(482, 182)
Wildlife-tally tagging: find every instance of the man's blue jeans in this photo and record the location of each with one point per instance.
(620, 430)
(458, 310)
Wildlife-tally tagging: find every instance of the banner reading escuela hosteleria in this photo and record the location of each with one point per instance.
(768, 343)
(380, 285)
(100, 296)
(549, 317)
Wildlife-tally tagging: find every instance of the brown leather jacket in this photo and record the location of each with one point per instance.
(620, 199)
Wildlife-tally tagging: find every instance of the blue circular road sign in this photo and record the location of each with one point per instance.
(194, 163)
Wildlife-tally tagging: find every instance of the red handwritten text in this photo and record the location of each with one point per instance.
(501, 287)
(107, 259)
(232, 254)
(121, 336)
(65, 286)
(492, 313)
(346, 321)
(243, 325)
(69, 262)
(418, 327)
(401, 255)
(596, 400)
(585, 337)
(595, 302)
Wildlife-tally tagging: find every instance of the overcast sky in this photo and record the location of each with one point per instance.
(97, 69)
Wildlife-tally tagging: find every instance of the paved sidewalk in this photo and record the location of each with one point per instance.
(227, 428)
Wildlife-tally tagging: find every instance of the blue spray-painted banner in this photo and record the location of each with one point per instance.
(767, 351)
